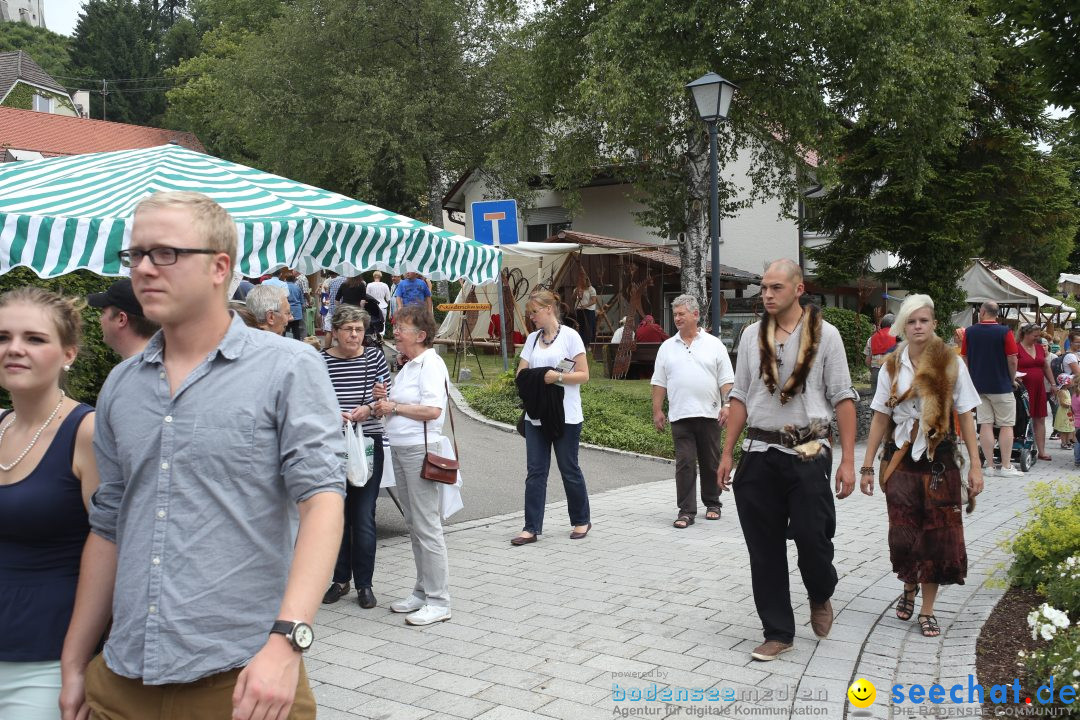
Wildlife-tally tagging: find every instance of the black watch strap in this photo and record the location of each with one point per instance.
(300, 641)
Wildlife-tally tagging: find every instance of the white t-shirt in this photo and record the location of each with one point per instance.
(587, 297)
(965, 398)
(421, 382)
(381, 292)
(567, 344)
(693, 375)
(1067, 362)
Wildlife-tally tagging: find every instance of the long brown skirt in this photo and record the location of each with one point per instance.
(926, 528)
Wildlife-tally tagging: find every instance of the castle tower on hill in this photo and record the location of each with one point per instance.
(31, 12)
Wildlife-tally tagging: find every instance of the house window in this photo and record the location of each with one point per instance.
(542, 231)
(43, 103)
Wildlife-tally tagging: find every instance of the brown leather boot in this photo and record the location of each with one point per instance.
(821, 618)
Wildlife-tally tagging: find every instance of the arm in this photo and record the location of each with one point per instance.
(1011, 360)
(878, 425)
(85, 464)
(725, 404)
(578, 376)
(845, 474)
(659, 392)
(1047, 372)
(736, 421)
(93, 608)
(430, 309)
(269, 681)
(971, 442)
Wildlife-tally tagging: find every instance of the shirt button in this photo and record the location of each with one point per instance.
(153, 609)
(161, 513)
(168, 418)
(164, 466)
(156, 560)
(161, 375)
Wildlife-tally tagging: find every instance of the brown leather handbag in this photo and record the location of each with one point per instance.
(436, 467)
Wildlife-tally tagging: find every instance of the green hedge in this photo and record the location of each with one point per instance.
(95, 359)
(854, 330)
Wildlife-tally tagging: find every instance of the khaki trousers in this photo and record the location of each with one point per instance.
(115, 697)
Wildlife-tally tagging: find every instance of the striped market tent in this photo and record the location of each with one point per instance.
(63, 214)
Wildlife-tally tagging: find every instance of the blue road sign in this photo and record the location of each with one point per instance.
(495, 222)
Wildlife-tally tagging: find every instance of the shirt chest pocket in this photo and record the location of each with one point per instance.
(223, 444)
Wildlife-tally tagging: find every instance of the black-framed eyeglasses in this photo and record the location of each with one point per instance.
(159, 255)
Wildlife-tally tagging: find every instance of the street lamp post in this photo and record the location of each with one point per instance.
(712, 95)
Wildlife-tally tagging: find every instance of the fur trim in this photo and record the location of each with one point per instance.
(935, 379)
(809, 342)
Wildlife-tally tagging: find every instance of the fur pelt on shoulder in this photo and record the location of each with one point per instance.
(809, 342)
(935, 378)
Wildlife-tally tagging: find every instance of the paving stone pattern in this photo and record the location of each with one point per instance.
(546, 630)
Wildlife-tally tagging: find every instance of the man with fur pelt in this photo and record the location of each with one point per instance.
(920, 384)
(792, 376)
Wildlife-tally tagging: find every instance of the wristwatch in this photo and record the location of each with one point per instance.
(299, 634)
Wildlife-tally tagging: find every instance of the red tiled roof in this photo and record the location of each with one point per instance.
(53, 135)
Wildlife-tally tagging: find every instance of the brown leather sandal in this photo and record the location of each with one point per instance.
(928, 624)
(683, 521)
(905, 604)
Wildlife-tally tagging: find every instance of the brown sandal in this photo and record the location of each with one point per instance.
(683, 521)
(928, 624)
(712, 512)
(905, 604)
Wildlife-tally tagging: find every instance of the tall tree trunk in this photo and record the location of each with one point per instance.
(694, 240)
(436, 189)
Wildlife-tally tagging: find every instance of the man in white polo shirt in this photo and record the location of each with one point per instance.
(694, 372)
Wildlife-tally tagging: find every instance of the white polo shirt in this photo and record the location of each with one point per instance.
(422, 381)
(693, 375)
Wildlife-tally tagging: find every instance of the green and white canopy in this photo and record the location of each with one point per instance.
(63, 214)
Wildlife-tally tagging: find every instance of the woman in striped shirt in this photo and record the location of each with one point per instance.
(354, 369)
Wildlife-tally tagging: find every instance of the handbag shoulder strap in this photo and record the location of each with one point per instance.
(450, 412)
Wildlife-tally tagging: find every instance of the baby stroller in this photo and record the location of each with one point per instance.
(1024, 453)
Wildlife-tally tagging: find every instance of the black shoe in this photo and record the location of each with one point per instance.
(365, 598)
(335, 593)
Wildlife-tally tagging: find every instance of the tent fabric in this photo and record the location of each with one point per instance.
(1014, 281)
(62, 214)
(980, 285)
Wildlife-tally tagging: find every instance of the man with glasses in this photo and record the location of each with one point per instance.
(219, 513)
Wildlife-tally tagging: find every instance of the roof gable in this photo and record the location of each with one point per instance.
(53, 135)
(17, 65)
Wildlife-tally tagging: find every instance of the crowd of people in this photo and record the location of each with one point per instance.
(170, 547)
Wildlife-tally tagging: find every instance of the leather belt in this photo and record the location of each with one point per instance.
(774, 437)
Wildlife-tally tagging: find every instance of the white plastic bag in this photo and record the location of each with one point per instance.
(360, 455)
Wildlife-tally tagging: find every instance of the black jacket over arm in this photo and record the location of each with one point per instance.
(542, 401)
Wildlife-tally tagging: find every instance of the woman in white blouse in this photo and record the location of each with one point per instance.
(918, 388)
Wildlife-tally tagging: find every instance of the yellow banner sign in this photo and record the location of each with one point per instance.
(464, 307)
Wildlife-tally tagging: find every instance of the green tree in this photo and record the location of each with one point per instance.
(601, 86)
(48, 49)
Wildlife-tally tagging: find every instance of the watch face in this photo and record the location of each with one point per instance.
(303, 636)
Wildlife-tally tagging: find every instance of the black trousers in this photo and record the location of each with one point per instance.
(697, 446)
(778, 497)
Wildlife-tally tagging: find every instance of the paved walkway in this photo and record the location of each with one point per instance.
(547, 630)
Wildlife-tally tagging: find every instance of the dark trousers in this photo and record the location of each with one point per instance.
(356, 557)
(586, 325)
(778, 497)
(538, 462)
(697, 445)
(295, 329)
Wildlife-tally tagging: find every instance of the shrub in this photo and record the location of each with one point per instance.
(854, 330)
(1061, 586)
(1058, 660)
(1051, 536)
(95, 359)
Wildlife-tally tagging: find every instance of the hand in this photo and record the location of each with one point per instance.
(975, 480)
(723, 470)
(551, 376)
(384, 407)
(379, 391)
(723, 416)
(360, 413)
(659, 421)
(346, 417)
(866, 482)
(845, 479)
(73, 705)
(266, 688)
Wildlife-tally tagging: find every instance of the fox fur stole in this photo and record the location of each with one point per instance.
(809, 342)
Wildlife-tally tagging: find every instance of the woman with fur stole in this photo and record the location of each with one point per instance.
(918, 387)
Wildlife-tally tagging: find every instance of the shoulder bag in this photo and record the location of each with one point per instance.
(437, 468)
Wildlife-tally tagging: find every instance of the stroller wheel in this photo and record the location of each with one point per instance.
(1027, 460)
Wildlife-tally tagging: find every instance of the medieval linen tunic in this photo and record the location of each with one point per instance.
(926, 529)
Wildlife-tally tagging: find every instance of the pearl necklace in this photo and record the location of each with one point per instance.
(33, 442)
(543, 335)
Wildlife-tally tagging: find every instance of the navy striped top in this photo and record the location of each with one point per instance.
(354, 379)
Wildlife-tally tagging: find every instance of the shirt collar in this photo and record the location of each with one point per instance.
(230, 346)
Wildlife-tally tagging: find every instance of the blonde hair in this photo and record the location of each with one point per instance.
(1074, 385)
(212, 222)
(541, 299)
(66, 311)
(911, 304)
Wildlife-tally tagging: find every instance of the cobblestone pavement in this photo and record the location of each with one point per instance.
(550, 629)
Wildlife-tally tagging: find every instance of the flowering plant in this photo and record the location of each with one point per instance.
(1046, 621)
(1060, 583)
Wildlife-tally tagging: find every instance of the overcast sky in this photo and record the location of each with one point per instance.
(61, 15)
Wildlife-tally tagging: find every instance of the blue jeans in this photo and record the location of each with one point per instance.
(1076, 449)
(538, 463)
(357, 554)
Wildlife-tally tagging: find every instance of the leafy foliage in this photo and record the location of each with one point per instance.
(1060, 661)
(1060, 584)
(854, 330)
(95, 359)
(48, 49)
(1050, 536)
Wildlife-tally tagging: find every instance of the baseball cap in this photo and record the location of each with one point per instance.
(119, 295)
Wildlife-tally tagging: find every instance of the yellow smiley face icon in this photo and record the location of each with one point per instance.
(862, 693)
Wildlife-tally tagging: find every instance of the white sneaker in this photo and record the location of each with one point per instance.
(990, 471)
(428, 614)
(408, 605)
(1009, 472)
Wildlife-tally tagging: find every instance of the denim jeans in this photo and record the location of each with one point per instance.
(1076, 450)
(357, 554)
(538, 462)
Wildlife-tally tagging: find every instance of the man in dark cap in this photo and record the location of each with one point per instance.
(124, 328)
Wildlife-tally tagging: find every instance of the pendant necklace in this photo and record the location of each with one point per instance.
(33, 442)
(543, 335)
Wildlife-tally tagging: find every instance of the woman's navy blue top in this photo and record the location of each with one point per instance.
(43, 527)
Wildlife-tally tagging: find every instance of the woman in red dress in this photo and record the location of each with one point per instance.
(1031, 360)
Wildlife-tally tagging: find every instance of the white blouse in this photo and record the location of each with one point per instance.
(904, 415)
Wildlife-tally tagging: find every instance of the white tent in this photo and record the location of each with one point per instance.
(1006, 287)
